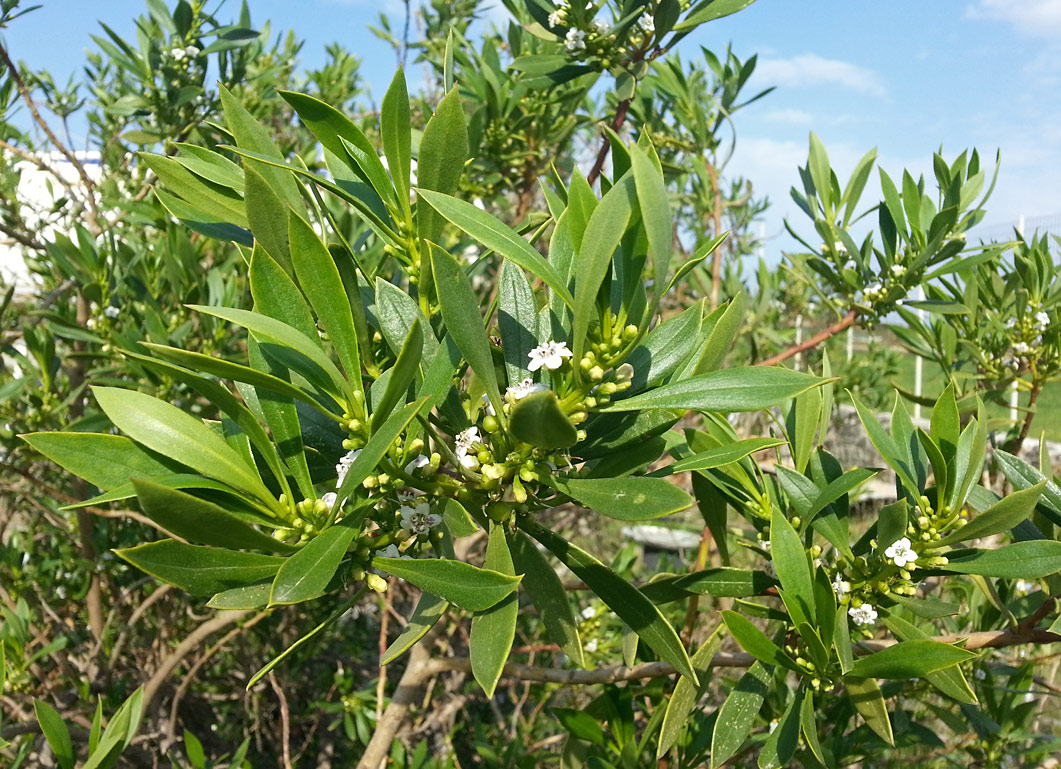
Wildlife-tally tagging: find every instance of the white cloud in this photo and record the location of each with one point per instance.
(1041, 18)
(790, 116)
(809, 69)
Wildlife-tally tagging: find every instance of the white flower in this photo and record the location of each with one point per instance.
(840, 586)
(1042, 319)
(390, 551)
(329, 499)
(1011, 322)
(551, 355)
(647, 24)
(901, 553)
(575, 40)
(863, 615)
(111, 312)
(898, 270)
(464, 447)
(850, 265)
(1024, 587)
(470, 254)
(191, 51)
(555, 19)
(417, 462)
(980, 674)
(408, 494)
(591, 645)
(178, 53)
(1022, 348)
(523, 389)
(343, 467)
(601, 26)
(589, 613)
(419, 519)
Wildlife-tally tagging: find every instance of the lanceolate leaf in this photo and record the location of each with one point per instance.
(1003, 516)
(496, 236)
(754, 641)
(443, 150)
(537, 419)
(107, 461)
(909, 659)
(548, 595)
(653, 201)
(1033, 559)
(200, 570)
(723, 455)
(793, 569)
(200, 521)
(169, 431)
(429, 610)
(782, 742)
(55, 731)
(396, 127)
(460, 310)
(740, 389)
(737, 714)
(625, 499)
(517, 319)
(869, 702)
(306, 574)
(459, 583)
(493, 630)
(620, 596)
(686, 694)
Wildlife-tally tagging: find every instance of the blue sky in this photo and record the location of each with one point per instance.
(905, 76)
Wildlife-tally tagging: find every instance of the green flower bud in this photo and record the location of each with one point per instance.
(490, 424)
(376, 582)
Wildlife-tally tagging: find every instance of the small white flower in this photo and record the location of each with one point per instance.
(555, 19)
(522, 389)
(840, 586)
(575, 40)
(1011, 322)
(390, 551)
(178, 53)
(111, 312)
(60, 592)
(464, 447)
(765, 545)
(1022, 348)
(863, 615)
(980, 674)
(419, 519)
(1023, 587)
(773, 726)
(551, 355)
(591, 645)
(329, 499)
(1042, 319)
(901, 553)
(417, 462)
(898, 270)
(408, 494)
(601, 26)
(839, 247)
(589, 613)
(470, 254)
(647, 24)
(191, 51)
(343, 467)
(850, 265)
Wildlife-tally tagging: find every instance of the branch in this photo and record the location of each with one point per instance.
(845, 322)
(602, 154)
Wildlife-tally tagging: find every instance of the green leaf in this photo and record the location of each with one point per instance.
(401, 376)
(310, 360)
(755, 642)
(1002, 516)
(724, 323)
(869, 702)
(946, 424)
(821, 173)
(546, 591)
(496, 236)
(517, 320)
(653, 200)
(246, 597)
(723, 455)
(686, 695)
(810, 728)
(1022, 476)
(306, 574)
(723, 582)
(537, 419)
(55, 731)
(620, 596)
(200, 521)
(737, 389)
(604, 231)
(107, 461)
(494, 630)
(626, 499)
(200, 570)
(429, 610)
(460, 311)
(212, 200)
(909, 659)
(737, 714)
(782, 742)
(1033, 559)
(319, 278)
(803, 427)
(950, 680)
(458, 582)
(443, 150)
(169, 431)
(396, 129)
(267, 216)
(793, 569)
(251, 135)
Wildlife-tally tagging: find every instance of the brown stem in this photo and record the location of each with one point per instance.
(602, 153)
(285, 721)
(716, 258)
(1024, 428)
(845, 322)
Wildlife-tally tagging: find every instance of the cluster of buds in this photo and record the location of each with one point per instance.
(308, 518)
(1025, 342)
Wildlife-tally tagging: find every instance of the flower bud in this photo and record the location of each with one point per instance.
(490, 424)
(376, 582)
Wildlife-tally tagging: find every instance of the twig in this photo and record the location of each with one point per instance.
(845, 322)
(285, 721)
(1024, 428)
(602, 153)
